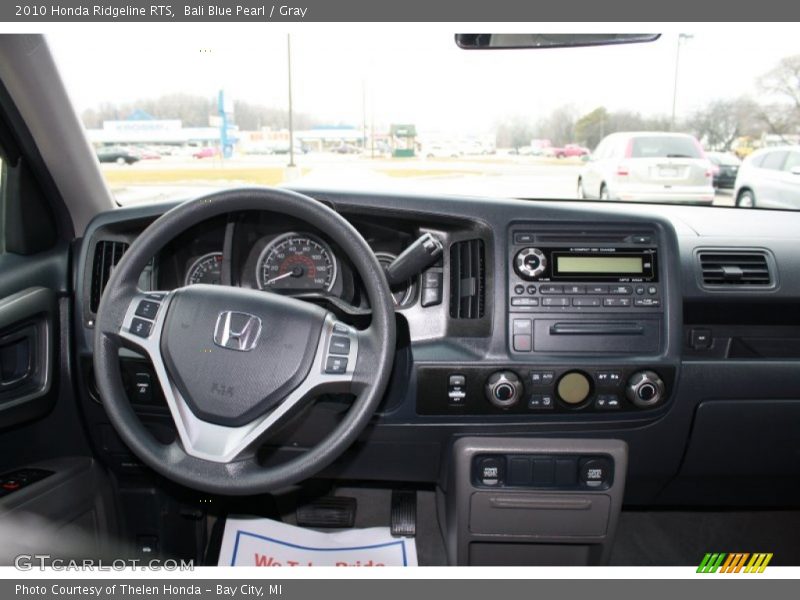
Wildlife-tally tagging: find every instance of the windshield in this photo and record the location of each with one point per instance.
(171, 117)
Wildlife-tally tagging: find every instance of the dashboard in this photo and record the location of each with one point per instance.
(672, 328)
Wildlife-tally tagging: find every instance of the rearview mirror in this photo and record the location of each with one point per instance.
(485, 41)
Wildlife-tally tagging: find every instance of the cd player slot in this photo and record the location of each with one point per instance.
(581, 337)
(605, 328)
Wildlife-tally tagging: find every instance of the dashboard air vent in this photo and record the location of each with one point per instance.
(467, 280)
(107, 255)
(732, 268)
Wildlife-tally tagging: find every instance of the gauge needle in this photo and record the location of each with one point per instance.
(278, 278)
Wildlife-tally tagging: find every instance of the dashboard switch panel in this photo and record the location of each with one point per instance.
(539, 391)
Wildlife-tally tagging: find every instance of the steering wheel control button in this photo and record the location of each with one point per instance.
(529, 263)
(339, 344)
(491, 471)
(456, 390)
(340, 328)
(645, 389)
(503, 389)
(574, 388)
(595, 472)
(141, 328)
(147, 309)
(336, 365)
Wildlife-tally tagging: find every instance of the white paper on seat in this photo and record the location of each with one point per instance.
(267, 543)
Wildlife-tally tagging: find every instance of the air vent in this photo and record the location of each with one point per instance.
(467, 280)
(735, 268)
(107, 255)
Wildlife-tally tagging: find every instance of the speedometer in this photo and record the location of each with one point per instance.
(298, 262)
(206, 269)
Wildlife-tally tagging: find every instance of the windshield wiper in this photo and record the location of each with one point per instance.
(678, 156)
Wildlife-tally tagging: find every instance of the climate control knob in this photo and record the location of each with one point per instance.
(529, 263)
(503, 389)
(645, 389)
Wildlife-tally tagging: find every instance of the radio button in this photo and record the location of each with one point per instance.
(522, 343)
(522, 301)
(551, 289)
(574, 289)
(531, 289)
(524, 238)
(646, 302)
(555, 301)
(522, 326)
(586, 302)
(652, 290)
(519, 289)
(639, 290)
(620, 290)
(596, 289)
(617, 302)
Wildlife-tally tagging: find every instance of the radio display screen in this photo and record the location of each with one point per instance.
(602, 265)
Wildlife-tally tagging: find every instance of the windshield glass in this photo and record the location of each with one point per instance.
(174, 116)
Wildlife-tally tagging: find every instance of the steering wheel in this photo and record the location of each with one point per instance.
(234, 363)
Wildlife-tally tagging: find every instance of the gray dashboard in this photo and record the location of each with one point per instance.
(727, 352)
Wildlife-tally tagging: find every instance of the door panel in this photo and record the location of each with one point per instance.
(27, 325)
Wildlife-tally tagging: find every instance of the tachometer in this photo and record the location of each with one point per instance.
(296, 261)
(206, 269)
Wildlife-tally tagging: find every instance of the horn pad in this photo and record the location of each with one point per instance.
(233, 353)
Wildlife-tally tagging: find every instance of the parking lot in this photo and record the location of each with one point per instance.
(498, 175)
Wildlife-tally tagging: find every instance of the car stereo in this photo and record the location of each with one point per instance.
(578, 292)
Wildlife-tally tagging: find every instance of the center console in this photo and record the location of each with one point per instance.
(586, 329)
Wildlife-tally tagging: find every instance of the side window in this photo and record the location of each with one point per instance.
(792, 161)
(774, 160)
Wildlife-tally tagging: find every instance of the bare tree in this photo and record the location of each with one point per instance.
(782, 85)
(722, 121)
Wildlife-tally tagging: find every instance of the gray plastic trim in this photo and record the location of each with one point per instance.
(599, 525)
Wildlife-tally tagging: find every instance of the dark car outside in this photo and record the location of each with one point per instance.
(120, 156)
(725, 168)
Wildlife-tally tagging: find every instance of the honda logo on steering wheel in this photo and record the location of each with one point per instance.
(237, 331)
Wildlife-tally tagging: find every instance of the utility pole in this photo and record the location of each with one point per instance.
(291, 123)
(681, 38)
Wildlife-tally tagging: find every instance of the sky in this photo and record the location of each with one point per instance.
(402, 74)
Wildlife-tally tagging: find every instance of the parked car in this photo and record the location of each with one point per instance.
(769, 178)
(121, 156)
(207, 152)
(648, 166)
(569, 151)
(724, 167)
(346, 149)
(442, 151)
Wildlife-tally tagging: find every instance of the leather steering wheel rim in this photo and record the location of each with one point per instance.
(368, 379)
